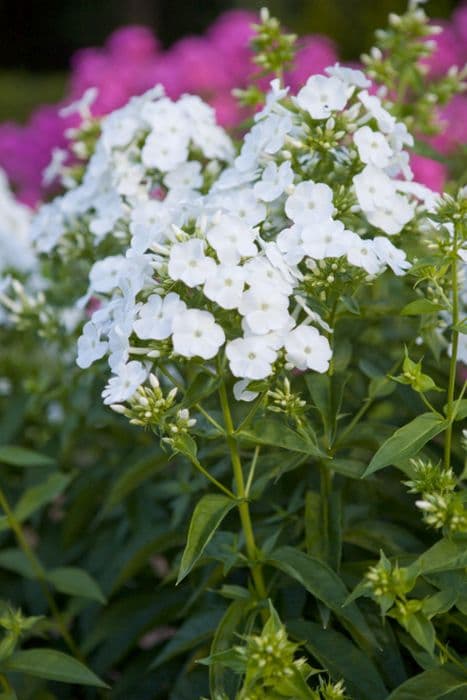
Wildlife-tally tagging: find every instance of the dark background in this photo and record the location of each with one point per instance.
(38, 37)
(41, 35)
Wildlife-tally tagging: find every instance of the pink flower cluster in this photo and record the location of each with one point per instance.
(211, 65)
(131, 62)
(451, 50)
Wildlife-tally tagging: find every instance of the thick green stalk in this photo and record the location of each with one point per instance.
(243, 507)
(454, 349)
(325, 493)
(40, 574)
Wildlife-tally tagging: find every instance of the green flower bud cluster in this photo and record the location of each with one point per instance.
(274, 50)
(284, 400)
(444, 511)
(331, 691)
(149, 407)
(387, 583)
(413, 375)
(30, 311)
(441, 504)
(272, 670)
(395, 63)
(15, 625)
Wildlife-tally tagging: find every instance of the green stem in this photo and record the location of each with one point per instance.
(367, 402)
(251, 473)
(428, 404)
(41, 575)
(325, 492)
(454, 349)
(211, 478)
(451, 656)
(243, 507)
(4, 683)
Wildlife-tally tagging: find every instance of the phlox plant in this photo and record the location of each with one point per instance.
(267, 410)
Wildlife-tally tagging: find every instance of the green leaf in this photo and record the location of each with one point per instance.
(193, 632)
(341, 658)
(352, 468)
(407, 441)
(421, 306)
(131, 478)
(14, 559)
(38, 496)
(208, 515)
(430, 685)
(270, 431)
(77, 582)
(200, 388)
(461, 412)
(323, 583)
(440, 602)
(53, 666)
(422, 630)
(224, 638)
(23, 457)
(445, 555)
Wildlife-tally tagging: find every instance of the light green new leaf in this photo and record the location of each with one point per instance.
(445, 555)
(341, 658)
(407, 441)
(53, 666)
(77, 582)
(461, 411)
(23, 457)
(323, 583)
(430, 685)
(208, 515)
(421, 306)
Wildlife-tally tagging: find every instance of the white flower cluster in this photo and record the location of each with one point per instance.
(227, 255)
(15, 248)
(150, 149)
(16, 253)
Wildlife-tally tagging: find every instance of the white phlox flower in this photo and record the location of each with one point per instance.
(196, 334)
(321, 96)
(306, 348)
(310, 201)
(188, 263)
(90, 346)
(275, 181)
(121, 387)
(155, 318)
(372, 147)
(232, 239)
(264, 308)
(225, 286)
(251, 357)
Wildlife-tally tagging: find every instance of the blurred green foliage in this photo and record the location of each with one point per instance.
(21, 91)
(351, 23)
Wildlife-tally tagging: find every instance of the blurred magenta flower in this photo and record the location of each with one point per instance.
(131, 62)
(430, 172)
(210, 65)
